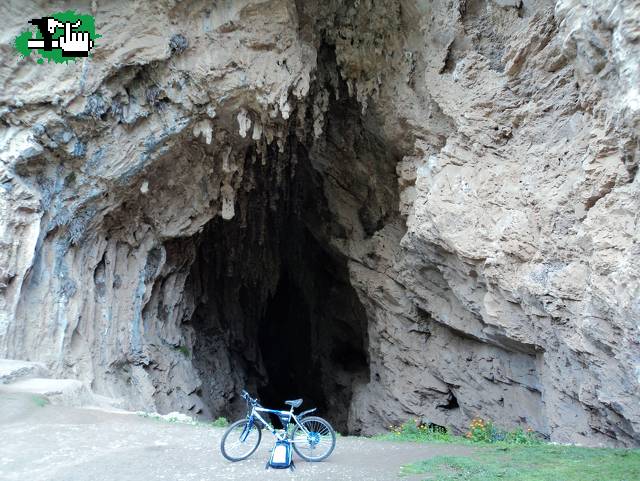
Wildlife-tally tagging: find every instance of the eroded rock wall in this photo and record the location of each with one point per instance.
(477, 164)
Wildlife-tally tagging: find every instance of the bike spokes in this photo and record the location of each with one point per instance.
(316, 441)
(241, 441)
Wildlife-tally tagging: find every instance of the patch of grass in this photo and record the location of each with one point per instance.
(220, 422)
(544, 462)
(39, 401)
(522, 436)
(184, 350)
(416, 432)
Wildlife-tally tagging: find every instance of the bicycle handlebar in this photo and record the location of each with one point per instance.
(245, 395)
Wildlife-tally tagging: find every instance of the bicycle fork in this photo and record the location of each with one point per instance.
(247, 429)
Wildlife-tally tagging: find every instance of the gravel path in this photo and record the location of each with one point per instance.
(69, 444)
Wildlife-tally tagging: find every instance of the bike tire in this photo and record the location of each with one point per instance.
(236, 429)
(321, 439)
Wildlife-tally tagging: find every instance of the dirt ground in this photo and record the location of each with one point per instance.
(39, 443)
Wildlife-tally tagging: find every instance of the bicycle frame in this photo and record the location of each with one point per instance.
(255, 414)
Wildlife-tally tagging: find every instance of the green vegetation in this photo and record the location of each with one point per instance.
(220, 422)
(518, 455)
(184, 350)
(480, 431)
(415, 432)
(70, 179)
(542, 462)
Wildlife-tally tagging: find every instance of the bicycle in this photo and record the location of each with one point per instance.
(312, 437)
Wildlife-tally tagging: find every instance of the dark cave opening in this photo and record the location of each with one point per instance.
(312, 338)
(276, 312)
(284, 338)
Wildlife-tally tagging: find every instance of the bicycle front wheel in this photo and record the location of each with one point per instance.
(317, 442)
(240, 440)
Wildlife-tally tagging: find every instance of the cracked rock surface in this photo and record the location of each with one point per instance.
(412, 209)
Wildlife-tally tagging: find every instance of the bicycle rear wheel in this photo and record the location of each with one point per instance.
(240, 440)
(317, 443)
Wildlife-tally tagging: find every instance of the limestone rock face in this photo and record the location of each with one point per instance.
(444, 193)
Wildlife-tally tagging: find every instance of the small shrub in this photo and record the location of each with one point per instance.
(184, 350)
(220, 422)
(290, 428)
(523, 436)
(70, 179)
(481, 431)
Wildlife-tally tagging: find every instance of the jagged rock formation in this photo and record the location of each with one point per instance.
(395, 208)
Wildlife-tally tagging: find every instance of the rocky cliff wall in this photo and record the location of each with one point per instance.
(455, 179)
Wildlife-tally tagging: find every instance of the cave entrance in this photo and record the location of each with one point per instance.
(276, 313)
(312, 338)
(284, 339)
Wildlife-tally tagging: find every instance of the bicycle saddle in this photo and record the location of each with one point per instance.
(294, 403)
